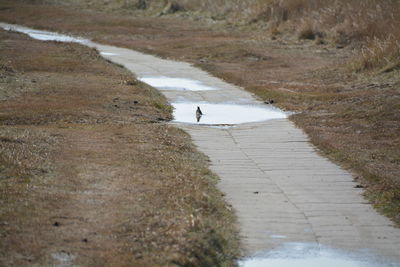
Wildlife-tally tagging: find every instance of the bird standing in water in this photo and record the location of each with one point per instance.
(198, 114)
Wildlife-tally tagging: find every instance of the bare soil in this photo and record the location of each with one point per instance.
(89, 172)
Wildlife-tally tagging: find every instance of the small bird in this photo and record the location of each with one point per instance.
(198, 114)
(198, 111)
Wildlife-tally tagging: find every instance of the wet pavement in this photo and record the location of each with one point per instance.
(295, 207)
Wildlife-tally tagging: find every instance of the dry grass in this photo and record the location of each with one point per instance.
(372, 25)
(66, 101)
(307, 32)
(381, 54)
(351, 117)
(88, 173)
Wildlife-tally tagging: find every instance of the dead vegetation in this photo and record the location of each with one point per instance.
(344, 85)
(370, 26)
(88, 174)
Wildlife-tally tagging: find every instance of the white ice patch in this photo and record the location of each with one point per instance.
(169, 83)
(217, 114)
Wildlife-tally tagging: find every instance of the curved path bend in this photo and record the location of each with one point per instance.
(282, 190)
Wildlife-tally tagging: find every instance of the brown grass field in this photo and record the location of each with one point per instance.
(90, 174)
(345, 91)
(335, 63)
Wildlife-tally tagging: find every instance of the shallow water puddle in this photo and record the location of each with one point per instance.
(310, 255)
(222, 114)
(44, 35)
(182, 84)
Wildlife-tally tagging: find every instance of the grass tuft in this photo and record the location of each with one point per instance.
(307, 32)
(378, 54)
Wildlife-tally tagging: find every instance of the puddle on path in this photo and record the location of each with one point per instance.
(181, 84)
(310, 255)
(223, 114)
(44, 35)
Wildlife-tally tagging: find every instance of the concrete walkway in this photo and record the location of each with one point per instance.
(282, 190)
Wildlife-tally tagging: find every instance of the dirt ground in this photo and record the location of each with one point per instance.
(353, 118)
(89, 172)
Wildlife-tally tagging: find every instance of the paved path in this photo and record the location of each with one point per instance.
(281, 188)
(283, 191)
